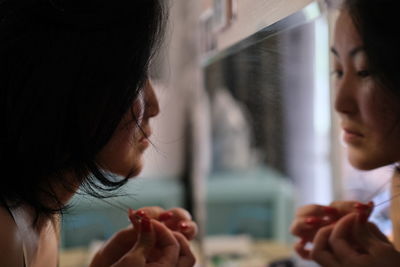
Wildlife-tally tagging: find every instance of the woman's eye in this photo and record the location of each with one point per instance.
(363, 73)
(337, 73)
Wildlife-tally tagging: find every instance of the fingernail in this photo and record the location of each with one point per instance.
(313, 220)
(141, 213)
(137, 216)
(330, 210)
(146, 225)
(184, 226)
(166, 216)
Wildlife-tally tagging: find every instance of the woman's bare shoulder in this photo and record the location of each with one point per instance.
(11, 253)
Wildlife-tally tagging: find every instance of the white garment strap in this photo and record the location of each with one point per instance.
(23, 222)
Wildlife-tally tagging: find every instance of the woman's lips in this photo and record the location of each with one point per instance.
(144, 141)
(352, 136)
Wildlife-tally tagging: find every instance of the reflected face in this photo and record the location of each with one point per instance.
(123, 153)
(369, 113)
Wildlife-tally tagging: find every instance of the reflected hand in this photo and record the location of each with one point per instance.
(310, 219)
(353, 242)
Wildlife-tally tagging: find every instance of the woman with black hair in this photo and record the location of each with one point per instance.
(366, 56)
(76, 102)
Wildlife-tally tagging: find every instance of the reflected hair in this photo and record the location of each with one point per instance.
(69, 71)
(377, 23)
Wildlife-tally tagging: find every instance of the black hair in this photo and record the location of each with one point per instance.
(377, 23)
(69, 71)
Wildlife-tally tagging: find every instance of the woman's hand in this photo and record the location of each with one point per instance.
(148, 244)
(310, 219)
(176, 219)
(353, 241)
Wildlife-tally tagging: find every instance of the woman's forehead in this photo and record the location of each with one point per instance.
(346, 38)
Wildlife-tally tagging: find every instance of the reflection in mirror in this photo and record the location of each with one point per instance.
(270, 133)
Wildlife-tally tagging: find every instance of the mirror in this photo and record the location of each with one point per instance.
(270, 112)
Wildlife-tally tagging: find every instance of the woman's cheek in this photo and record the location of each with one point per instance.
(138, 109)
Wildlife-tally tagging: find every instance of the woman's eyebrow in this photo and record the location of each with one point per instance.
(356, 50)
(334, 51)
(352, 53)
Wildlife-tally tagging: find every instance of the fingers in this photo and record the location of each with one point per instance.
(315, 210)
(152, 234)
(342, 238)
(152, 212)
(137, 255)
(336, 209)
(119, 244)
(159, 213)
(167, 244)
(338, 233)
(354, 236)
(176, 219)
(310, 218)
(131, 259)
(189, 229)
(151, 241)
(173, 249)
(322, 252)
(300, 248)
(346, 207)
(374, 230)
(145, 234)
(306, 227)
(181, 214)
(351, 242)
(186, 257)
(371, 238)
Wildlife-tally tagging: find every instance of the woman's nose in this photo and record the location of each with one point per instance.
(346, 99)
(151, 101)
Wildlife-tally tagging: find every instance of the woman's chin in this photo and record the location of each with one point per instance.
(135, 171)
(366, 164)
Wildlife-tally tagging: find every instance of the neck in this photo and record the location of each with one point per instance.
(57, 192)
(60, 193)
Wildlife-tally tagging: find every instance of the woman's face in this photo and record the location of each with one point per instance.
(369, 113)
(122, 155)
